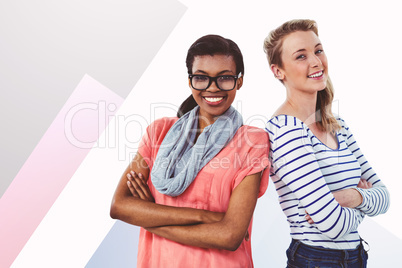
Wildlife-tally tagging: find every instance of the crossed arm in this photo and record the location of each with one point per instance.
(189, 226)
(370, 196)
(348, 198)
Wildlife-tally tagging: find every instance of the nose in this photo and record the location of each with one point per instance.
(213, 87)
(315, 61)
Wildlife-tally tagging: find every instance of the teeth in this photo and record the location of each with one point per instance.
(214, 99)
(315, 75)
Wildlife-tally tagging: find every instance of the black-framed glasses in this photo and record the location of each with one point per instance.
(223, 82)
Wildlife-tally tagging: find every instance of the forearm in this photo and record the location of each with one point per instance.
(336, 221)
(375, 201)
(133, 210)
(371, 201)
(350, 198)
(329, 217)
(147, 214)
(210, 235)
(227, 233)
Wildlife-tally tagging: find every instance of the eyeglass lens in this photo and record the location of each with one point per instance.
(224, 82)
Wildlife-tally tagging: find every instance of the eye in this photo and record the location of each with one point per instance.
(200, 78)
(319, 51)
(225, 78)
(300, 57)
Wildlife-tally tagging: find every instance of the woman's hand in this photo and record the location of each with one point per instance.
(350, 198)
(364, 184)
(133, 202)
(308, 218)
(139, 187)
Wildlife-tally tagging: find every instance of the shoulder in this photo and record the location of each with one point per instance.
(164, 122)
(154, 135)
(342, 123)
(256, 131)
(284, 120)
(253, 134)
(248, 139)
(283, 123)
(161, 126)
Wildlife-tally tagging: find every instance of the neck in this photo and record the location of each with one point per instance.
(302, 105)
(205, 119)
(203, 122)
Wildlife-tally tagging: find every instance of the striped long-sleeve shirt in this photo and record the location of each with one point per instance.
(305, 172)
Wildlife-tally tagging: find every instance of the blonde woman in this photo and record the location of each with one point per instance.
(324, 183)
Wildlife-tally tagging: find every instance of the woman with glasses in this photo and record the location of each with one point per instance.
(324, 182)
(195, 180)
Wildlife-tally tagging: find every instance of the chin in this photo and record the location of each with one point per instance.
(321, 87)
(217, 112)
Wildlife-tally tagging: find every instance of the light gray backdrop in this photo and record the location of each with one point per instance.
(47, 46)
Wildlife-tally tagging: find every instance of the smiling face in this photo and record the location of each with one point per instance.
(304, 64)
(213, 101)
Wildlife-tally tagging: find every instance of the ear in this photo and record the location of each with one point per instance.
(278, 73)
(239, 82)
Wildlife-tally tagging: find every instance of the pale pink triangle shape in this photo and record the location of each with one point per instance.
(52, 163)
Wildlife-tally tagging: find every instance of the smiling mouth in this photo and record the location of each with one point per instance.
(213, 100)
(316, 75)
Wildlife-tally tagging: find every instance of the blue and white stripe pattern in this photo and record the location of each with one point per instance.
(305, 171)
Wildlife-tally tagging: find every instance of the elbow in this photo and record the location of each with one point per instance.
(379, 206)
(114, 210)
(113, 213)
(232, 241)
(379, 211)
(233, 246)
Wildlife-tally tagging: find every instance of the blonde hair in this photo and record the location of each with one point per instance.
(273, 48)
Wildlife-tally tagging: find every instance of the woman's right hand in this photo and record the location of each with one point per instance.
(351, 197)
(139, 187)
(364, 184)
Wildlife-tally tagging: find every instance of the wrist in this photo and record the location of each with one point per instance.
(359, 199)
(201, 216)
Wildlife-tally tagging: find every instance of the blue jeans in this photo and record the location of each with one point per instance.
(303, 256)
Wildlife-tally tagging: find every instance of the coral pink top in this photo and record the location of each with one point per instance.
(246, 154)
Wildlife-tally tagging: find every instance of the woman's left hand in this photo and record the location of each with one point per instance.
(308, 218)
(139, 187)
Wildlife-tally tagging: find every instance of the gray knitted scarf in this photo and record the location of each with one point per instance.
(179, 160)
